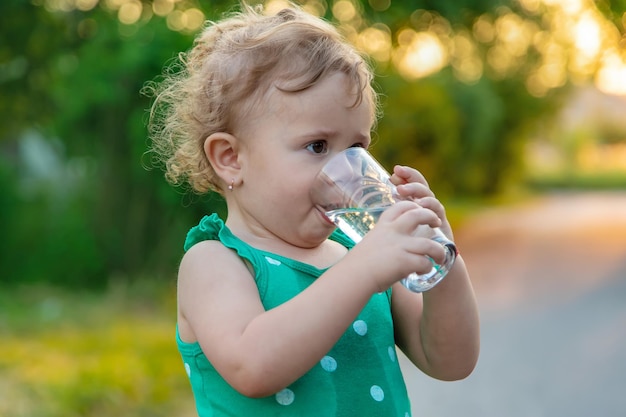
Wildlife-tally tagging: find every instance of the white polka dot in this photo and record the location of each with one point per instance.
(329, 364)
(285, 397)
(377, 393)
(392, 353)
(272, 261)
(407, 414)
(188, 369)
(360, 327)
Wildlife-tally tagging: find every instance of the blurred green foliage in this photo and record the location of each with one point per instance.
(78, 205)
(465, 139)
(85, 354)
(81, 205)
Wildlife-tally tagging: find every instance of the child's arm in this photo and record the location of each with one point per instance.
(260, 352)
(439, 329)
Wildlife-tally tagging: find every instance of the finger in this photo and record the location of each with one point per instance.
(409, 220)
(430, 202)
(397, 209)
(439, 209)
(414, 190)
(404, 175)
(406, 216)
(429, 249)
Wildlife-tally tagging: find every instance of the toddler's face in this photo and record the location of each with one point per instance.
(284, 145)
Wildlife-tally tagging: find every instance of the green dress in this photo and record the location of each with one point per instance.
(359, 377)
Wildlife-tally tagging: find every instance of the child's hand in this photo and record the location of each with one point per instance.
(390, 251)
(413, 186)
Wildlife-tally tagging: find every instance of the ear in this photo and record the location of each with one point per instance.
(221, 149)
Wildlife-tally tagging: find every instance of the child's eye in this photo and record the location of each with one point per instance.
(318, 147)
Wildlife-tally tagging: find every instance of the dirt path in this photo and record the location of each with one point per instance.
(558, 246)
(550, 277)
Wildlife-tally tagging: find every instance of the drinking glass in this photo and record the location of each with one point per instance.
(353, 190)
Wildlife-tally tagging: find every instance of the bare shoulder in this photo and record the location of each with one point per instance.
(206, 257)
(213, 282)
(210, 265)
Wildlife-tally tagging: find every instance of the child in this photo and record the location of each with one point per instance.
(278, 313)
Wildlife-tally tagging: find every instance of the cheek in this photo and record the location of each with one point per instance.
(297, 184)
(281, 177)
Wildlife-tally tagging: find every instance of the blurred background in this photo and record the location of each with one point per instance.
(514, 110)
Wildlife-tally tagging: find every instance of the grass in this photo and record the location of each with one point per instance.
(579, 181)
(94, 354)
(88, 354)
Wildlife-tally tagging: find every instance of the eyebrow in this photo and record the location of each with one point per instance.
(330, 134)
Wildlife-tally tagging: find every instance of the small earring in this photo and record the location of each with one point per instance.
(231, 186)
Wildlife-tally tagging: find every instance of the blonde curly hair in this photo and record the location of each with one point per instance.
(226, 73)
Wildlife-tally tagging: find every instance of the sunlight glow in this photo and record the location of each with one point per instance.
(465, 61)
(586, 34)
(274, 6)
(376, 42)
(554, 42)
(570, 7)
(344, 10)
(611, 77)
(514, 34)
(130, 12)
(483, 29)
(315, 7)
(86, 5)
(114, 4)
(419, 54)
(532, 6)
(195, 19)
(162, 7)
(602, 158)
(189, 20)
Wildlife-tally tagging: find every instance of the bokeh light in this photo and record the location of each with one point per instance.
(376, 42)
(548, 42)
(419, 54)
(130, 12)
(163, 7)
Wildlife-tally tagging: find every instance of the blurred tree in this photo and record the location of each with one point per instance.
(449, 111)
(76, 76)
(614, 10)
(27, 55)
(464, 82)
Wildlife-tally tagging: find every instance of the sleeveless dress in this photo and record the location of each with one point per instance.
(359, 377)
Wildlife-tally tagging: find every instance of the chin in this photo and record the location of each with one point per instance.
(320, 235)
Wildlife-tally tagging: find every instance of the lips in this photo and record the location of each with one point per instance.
(321, 212)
